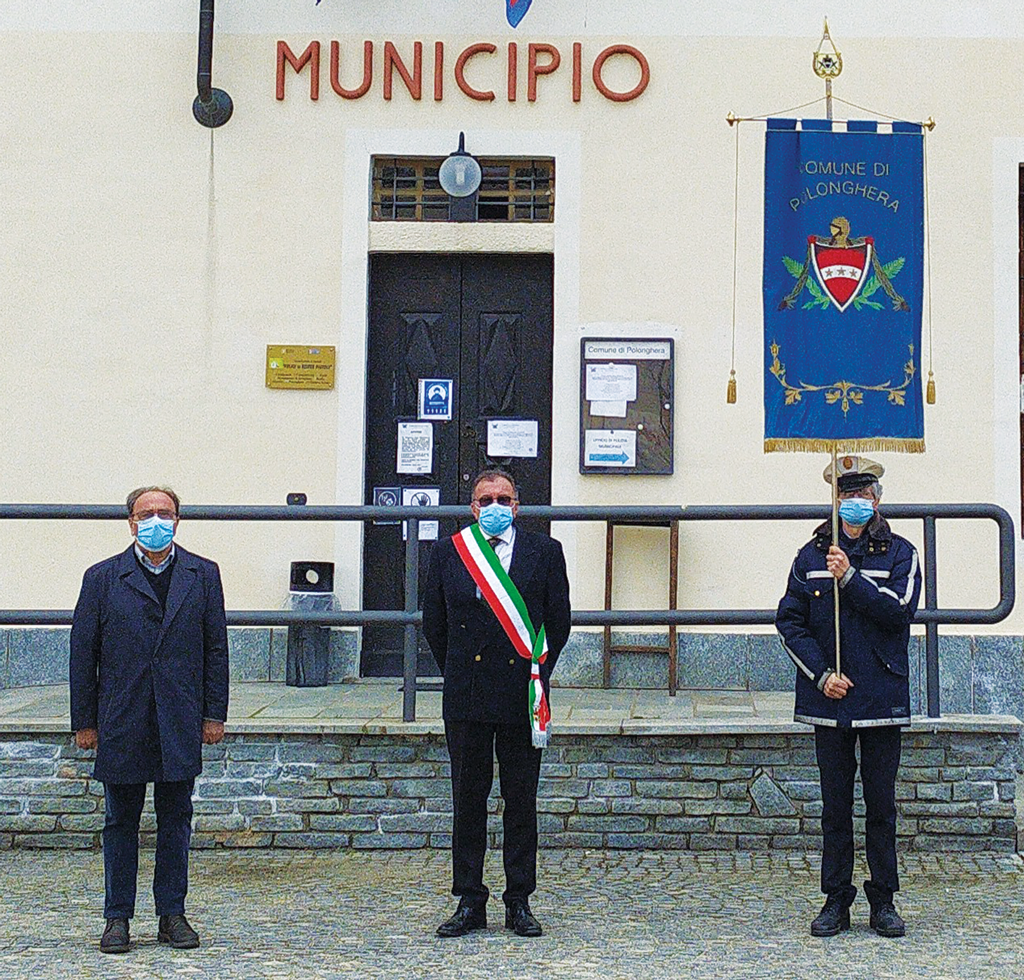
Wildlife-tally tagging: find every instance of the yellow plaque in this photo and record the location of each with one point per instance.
(310, 368)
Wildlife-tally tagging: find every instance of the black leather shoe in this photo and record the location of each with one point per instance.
(521, 920)
(886, 921)
(466, 919)
(174, 929)
(833, 918)
(115, 936)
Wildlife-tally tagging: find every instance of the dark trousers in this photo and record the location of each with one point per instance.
(173, 802)
(837, 763)
(471, 747)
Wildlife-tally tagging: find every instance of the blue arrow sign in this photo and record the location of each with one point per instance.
(609, 458)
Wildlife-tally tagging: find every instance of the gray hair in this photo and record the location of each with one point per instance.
(139, 491)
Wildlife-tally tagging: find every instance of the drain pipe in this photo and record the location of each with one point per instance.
(212, 106)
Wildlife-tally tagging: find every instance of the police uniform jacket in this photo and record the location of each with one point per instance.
(146, 678)
(485, 680)
(877, 601)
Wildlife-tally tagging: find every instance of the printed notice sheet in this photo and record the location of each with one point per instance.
(610, 447)
(611, 382)
(421, 497)
(511, 437)
(415, 447)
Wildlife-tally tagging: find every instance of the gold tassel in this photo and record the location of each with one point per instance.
(730, 393)
(930, 396)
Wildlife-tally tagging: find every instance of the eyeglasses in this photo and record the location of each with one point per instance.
(865, 493)
(486, 501)
(164, 515)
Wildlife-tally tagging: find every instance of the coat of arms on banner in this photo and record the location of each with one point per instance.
(843, 275)
(842, 266)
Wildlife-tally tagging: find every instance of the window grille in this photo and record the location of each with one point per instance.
(407, 189)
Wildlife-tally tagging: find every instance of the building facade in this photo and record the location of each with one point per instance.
(149, 262)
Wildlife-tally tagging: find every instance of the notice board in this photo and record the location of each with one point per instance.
(626, 405)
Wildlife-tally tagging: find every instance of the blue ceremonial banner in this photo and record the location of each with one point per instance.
(843, 258)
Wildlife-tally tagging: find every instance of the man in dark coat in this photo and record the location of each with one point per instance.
(486, 698)
(149, 687)
(869, 699)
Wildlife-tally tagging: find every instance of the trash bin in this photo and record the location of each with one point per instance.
(311, 588)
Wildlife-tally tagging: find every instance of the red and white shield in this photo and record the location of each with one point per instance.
(841, 271)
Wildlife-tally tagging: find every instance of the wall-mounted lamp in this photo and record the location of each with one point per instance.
(212, 107)
(460, 176)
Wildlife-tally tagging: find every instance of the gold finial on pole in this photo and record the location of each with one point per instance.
(731, 119)
(828, 64)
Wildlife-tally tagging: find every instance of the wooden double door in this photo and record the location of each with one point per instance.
(483, 321)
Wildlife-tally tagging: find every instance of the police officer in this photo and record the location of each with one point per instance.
(868, 700)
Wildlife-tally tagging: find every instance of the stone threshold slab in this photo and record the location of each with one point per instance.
(987, 724)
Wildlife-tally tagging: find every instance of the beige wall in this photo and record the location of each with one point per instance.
(148, 262)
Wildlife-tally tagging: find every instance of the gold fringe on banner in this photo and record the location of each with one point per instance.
(849, 445)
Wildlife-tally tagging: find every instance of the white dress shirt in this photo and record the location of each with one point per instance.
(504, 544)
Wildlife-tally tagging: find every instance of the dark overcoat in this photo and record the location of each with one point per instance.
(876, 605)
(143, 679)
(485, 680)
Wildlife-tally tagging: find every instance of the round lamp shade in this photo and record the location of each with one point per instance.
(459, 175)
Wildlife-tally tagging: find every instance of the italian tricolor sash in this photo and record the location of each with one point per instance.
(507, 604)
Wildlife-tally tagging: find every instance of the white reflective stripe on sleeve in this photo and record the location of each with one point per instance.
(792, 656)
(874, 573)
(904, 599)
(825, 574)
(911, 577)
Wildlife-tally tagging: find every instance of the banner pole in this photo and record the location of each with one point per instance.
(835, 541)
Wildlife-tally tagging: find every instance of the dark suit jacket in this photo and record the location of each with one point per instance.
(147, 681)
(484, 678)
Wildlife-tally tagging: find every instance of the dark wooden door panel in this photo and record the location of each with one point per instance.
(485, 321)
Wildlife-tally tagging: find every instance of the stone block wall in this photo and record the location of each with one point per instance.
(702, 792)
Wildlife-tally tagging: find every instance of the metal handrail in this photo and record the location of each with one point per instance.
(929, 613)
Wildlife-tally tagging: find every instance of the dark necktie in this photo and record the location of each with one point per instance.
(493, 542)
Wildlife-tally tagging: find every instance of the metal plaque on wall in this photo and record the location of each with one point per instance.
(309, 368)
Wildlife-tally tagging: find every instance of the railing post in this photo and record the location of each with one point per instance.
(412, 590)
(931, 629)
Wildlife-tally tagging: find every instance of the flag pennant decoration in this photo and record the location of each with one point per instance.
(842, 286)
(515, 10)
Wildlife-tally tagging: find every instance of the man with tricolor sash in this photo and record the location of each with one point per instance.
(496, 615)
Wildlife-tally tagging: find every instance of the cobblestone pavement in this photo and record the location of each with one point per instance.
(608, 914)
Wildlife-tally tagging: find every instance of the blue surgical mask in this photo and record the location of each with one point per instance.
(495, 519)
(856, 511)
(154, 533)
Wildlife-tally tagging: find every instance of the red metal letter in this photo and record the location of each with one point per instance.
(438, 71)
(392, 60)
(460, 68)
(577, 71)
(513, 70)
(311, 56)
(533, 69)
(645, 72)
(352, 93)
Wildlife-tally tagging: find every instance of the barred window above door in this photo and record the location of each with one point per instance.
(407, 189)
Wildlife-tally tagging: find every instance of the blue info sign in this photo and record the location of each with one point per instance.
(435, 399)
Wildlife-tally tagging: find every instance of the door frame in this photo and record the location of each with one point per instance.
(562, 237)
